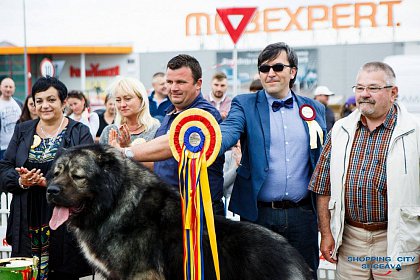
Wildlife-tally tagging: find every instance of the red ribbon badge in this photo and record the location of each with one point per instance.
(307, 112)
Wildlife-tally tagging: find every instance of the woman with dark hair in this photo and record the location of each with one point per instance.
(34, 146)
(79, 106)
(28, 110)
(255, 85)
(348, 107)
(106, 117)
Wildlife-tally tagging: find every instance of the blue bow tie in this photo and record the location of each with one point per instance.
(279, 104)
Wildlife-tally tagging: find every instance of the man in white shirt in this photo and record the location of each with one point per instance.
(10, 112)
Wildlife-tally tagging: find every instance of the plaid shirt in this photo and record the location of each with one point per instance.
(365, 186)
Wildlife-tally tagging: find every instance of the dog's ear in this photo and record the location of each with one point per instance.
(108, 155)
(61, 151)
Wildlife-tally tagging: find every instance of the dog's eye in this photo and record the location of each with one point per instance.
(77, 177)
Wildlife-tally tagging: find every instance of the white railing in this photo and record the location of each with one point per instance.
(5, 200)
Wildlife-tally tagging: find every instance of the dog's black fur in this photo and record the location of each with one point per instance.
(128, 223)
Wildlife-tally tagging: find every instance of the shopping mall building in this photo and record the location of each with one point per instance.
(88, 45)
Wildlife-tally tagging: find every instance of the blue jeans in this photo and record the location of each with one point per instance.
(299, 226)
(2, 152)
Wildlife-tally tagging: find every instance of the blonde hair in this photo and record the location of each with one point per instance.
(134, 87)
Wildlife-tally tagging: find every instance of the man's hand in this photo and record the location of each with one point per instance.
(327, 247)
(324, 218)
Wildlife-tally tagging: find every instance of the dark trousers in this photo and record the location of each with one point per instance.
(299, 226)
(2, 152)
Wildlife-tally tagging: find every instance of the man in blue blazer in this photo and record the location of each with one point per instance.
(281, 135)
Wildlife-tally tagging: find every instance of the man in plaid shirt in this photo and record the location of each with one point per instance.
(367, 184)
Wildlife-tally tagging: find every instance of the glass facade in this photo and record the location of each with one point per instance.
(12, 66)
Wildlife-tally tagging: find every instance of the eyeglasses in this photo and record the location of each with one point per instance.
(278, 67)
(370, 89)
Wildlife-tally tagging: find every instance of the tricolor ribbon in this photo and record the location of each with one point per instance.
(195, 141)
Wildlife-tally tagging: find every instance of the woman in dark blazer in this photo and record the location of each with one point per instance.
(33, 148)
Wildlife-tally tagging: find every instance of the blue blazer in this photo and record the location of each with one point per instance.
(249, 121)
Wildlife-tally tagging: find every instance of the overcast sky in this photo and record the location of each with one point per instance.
(161, 25)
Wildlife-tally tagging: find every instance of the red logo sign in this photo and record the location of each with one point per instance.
(235, 33)
(94, 71)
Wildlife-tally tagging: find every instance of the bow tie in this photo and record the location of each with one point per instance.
(279, 104)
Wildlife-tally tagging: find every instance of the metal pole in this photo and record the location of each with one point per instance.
(25, 53)
(235, 70)
(82, 73)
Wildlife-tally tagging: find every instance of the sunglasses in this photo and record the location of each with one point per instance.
(278, 67)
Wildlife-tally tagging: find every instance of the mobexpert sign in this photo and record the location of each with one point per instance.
(303, 18)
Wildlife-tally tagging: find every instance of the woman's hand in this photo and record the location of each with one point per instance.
(113, 138)
(29, 178)
(124, 137)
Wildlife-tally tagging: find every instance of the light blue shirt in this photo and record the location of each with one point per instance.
(288, 175)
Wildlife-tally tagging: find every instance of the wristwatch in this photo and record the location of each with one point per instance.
(128, 153)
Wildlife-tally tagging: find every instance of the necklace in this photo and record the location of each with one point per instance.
(135, 129)
(52, 141)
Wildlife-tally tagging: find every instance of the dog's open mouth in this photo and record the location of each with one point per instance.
(61, 214)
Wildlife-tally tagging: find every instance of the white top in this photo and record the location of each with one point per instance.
(9, 114)
(91, 120)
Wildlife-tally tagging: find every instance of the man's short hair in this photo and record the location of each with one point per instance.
(380, 66)
(219, 76)
(185, 60)
(2, 77)
(273, 50)
(158, 74)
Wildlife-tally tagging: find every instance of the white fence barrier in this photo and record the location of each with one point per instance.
(5, 200)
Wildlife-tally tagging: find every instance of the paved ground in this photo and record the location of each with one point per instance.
(97, 277)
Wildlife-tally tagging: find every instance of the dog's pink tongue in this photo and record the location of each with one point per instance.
(59, 216)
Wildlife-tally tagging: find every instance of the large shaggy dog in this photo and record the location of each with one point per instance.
(129, 224)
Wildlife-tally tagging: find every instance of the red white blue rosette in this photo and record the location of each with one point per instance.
(198, 131)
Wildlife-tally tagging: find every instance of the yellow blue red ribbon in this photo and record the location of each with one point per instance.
(195, 141)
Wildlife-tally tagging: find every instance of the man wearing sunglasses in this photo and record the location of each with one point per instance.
(368, 184)
(278, 158)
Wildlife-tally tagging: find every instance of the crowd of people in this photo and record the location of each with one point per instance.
(285, 162)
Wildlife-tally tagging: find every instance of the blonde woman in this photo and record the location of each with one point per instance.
(133, 122)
